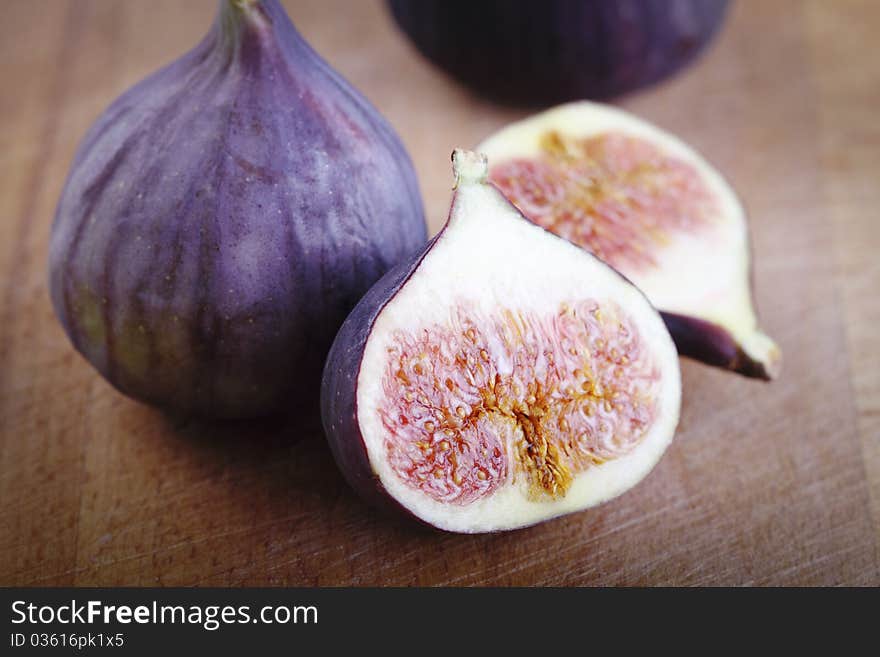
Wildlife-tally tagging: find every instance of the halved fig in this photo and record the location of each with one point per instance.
(501, 377)
(651, 207)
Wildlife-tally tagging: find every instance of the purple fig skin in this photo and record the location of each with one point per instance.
(339, 410)
(223, 216)
(536, 53)
(712, 345)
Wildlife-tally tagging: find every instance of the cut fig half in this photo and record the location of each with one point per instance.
(651, 207)
(501, 377)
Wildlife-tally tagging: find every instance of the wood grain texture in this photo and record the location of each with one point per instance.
(764, 484)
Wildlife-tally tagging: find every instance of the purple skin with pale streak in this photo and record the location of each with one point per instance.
(223, 216)
(711, 344)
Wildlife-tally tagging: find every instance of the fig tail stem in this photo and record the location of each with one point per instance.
(236, 14)
(469, 167)
(764, 352)
(243, 4)
(753, 355)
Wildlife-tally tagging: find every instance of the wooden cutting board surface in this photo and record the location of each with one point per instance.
(764, 484)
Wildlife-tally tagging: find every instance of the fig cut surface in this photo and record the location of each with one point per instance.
(651, 207)
(501, 378)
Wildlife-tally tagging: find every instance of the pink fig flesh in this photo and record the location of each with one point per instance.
(652, 208)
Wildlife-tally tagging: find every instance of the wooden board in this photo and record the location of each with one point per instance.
(764, 484)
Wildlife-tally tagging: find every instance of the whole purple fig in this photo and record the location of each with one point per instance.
(531, 53)
(223, 216)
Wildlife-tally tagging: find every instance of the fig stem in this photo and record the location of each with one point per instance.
(765, 353)
(243, 4)
(234, 14)
(469, 167)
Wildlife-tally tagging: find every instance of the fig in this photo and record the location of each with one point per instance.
(540, 53)
(652, 208)
(499, 378)
(223, 216)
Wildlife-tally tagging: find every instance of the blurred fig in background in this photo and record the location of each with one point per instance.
(532, 53)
